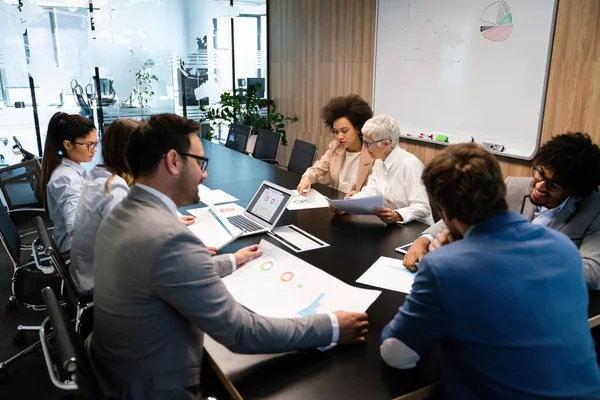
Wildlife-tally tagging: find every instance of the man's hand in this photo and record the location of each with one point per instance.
(387, 215)
(335, 210)
(244, 255)
(187, 220)
(443, 238)
(353, 327)
(304, 186)
(415, 253)
(350, 194)
(212, 250)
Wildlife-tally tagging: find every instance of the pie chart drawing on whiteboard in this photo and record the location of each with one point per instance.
(497, 22)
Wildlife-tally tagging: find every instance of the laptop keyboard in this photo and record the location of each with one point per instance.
(244, 224)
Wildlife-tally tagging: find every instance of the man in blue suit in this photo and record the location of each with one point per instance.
(507, 304)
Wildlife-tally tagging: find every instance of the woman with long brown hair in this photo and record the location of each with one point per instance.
(70, 141)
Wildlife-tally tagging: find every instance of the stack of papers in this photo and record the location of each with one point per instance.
(361, 206)
(388, 273)
(208, 196)
(313, 200)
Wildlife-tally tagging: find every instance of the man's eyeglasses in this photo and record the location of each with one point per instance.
(539, 176)
(89, 146)
(202, 161)
(369, 144)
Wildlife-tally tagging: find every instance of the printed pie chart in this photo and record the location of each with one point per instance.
(497, 22)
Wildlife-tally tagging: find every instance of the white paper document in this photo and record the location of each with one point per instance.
(278, 284)
(388, 273)
(362, 206)
(297, 239)
(313, 200)
(208, 196)
(213, 229)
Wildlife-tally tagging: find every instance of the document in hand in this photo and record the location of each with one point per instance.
(388, 273)
(362, 206)
(212, 228)
(278, 284)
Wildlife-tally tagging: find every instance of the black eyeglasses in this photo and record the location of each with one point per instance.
(539, 176)
(89, 146)
(369, 144)
(202, 161)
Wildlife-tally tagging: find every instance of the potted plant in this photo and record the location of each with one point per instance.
(143, 91)
(246, 109)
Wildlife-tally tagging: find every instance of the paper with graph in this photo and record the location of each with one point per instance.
(278, 284)
(388, 273)
(313, 200)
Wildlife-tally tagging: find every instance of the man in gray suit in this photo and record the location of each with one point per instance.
(563, 195)
(158, 289)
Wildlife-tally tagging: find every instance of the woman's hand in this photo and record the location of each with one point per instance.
(304, 186)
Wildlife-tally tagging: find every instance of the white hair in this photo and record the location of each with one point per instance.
(382, 127)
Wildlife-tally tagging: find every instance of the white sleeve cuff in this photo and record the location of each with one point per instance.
(406, 215)
(335, 332)
(232, 259)
(427, 236)
(396, 354)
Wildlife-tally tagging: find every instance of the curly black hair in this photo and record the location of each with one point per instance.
(574, 160)
(352, 107)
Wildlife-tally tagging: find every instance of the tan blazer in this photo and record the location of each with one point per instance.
(327, 169)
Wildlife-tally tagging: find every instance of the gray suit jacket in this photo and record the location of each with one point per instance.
(157, 292)
(579, 220)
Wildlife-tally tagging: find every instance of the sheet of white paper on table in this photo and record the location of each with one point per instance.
(388, 273)
(313, 200)
(278, 284)
(229, 209)
(361, 206)
(297, 239)
(208, 196)
(196, 211)
(212, 229)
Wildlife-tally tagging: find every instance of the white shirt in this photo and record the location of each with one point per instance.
(349, 172)
(335, 327)
(94, 205)
(63, 192)
(398, 179)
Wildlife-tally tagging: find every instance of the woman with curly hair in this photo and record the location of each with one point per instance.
(347, 164)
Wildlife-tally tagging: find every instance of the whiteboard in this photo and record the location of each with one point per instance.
(470, 70)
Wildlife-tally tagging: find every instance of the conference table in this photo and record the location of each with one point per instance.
(356, 242)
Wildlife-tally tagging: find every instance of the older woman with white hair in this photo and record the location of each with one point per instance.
(396, 175)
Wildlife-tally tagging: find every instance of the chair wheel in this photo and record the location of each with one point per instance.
(12, 304)
(19, 337)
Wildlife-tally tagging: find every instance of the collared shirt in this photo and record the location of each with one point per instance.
(94, 205)
(398, 180)
(543, 215)
(173, 208)
(63, 192)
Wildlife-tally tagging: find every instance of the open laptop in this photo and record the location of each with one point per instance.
(263, 212)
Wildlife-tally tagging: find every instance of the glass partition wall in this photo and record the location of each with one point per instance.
(122, 58)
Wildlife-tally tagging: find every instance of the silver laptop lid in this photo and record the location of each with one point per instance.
(268, 204)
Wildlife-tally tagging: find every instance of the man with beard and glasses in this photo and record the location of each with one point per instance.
(158, 289)
(563, 196)
(507, 304)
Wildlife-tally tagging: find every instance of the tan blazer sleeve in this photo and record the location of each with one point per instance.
(319, 172)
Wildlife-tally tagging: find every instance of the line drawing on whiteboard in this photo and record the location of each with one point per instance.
(442, 36)
(497, 21)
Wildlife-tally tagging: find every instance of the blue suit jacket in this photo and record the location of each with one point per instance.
(508, 305)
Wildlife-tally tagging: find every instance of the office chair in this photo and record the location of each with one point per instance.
(237, 139)
(302, 157)
(74, 371)
(20, 186)
(267, 144)
(74, 297)
(29, 277)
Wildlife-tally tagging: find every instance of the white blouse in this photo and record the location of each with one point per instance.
(349, 172)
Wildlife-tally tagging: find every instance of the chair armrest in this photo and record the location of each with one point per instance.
(26, 209)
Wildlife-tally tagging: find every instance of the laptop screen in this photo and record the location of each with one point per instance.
(268, 204)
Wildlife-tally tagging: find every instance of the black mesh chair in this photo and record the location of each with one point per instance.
(302, 157)
(73, 296)
(20, 185)
(237, 137)
(267, 144)
(68, 364)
